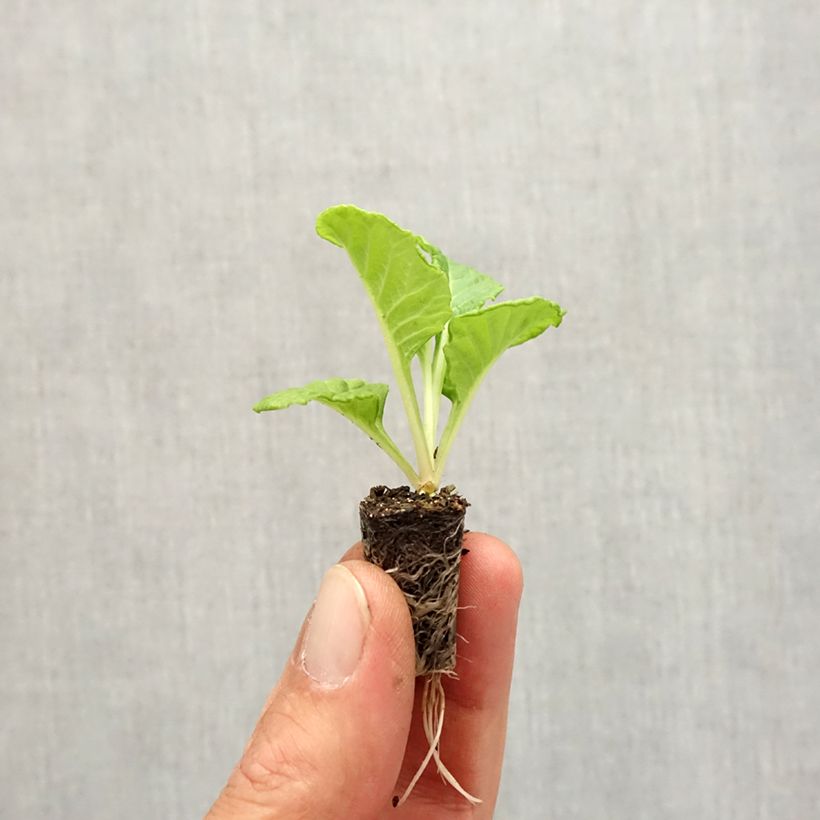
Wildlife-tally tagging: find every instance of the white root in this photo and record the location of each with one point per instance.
(432, 715)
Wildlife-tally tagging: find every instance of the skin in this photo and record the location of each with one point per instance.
(345, 752)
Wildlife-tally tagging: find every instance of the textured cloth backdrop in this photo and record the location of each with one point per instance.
(655, 462)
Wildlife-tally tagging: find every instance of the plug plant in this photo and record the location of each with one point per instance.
(433, 312)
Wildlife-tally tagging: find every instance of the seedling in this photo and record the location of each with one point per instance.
(432, 310)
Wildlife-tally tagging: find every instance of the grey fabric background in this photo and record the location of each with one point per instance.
(652, 166)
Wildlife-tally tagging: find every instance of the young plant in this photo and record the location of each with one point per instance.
(431, 310)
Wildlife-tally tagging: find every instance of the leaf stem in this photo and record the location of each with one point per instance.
(438, 377)
(454, 420)
(404, 378)
(430, 403)
(387, 444)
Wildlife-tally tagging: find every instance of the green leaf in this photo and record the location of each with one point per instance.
(359, 401)
(477, 339)
(469, 289)
(410, 295)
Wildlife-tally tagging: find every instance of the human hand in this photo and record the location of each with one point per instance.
(335, 738)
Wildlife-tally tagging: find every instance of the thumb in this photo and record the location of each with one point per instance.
(331, 739)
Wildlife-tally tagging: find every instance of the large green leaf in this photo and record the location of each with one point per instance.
(477, 339)
(469, 289)
(411, 296)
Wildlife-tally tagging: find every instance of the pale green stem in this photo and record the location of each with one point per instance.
(382, 438)
(411, 407)
(389, 446)
(430, 403)
(457, 412)
(438, 380)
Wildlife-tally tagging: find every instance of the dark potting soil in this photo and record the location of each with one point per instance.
(417, 538)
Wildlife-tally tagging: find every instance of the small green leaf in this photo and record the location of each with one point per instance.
(469, 289)
(359, 401)
(477, 339)
(411, 296)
